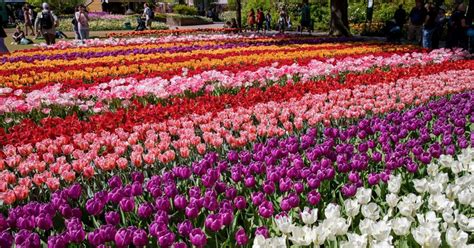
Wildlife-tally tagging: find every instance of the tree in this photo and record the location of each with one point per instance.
(339, 25)
(238, 15)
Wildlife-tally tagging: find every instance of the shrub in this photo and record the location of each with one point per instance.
(185, 10)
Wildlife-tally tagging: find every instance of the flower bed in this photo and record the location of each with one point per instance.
(237, 141)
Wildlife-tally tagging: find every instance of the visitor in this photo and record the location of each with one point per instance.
(234, 23)
(400, 16)
(47, 22)
(3, 35)
(282, 21)
(440, 22)
(305, 17)
(457, 28)
(74, 23)
(82, 18)
(149, 15)
(260, 20)
(429, 26)
(251, 19)
(18, 35)
(268, 21)
(28, 19)
(417, 18)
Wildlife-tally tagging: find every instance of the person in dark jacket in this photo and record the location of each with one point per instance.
(306, 17)
(400, 16)
(417, 18)
(3, 35)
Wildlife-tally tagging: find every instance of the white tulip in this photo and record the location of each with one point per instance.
(442, 178)
(452, 191)
(321, 234)
(363, 195)
(392, 200)
(421, 185)
(464, 181)
(435, 187)
(352, 207)
(465, 158)
(387, 243)
(259, 242)
(401, 226)
(278, 242)
(309, 216)
(355, 241)
(284, 224)
(432, 169)
(409, 204)
(382, 230)
(456, 238)
(302, 236)
(340, 226)
(394, 184)
(438, 202)
(446, 161)
(466, 197)
(366, 226)
(332, 211)
(371, 211)
(466, 224)
(426, 237)
(448, 216)
(429, 220)
(457, 167)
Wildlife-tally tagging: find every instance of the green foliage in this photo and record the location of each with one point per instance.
(227, 15)
(59, 6)
(185, 10)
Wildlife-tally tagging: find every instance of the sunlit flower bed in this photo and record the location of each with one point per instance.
(226, 141)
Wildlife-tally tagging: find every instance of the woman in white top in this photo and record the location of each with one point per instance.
(82, 22)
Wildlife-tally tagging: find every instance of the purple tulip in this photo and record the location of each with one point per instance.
(138, 177)
(74, 192)
(44, 222)
(115, 182)
(112, 218)
(94, 207)
(123, 237)
(314, 198)
(191, 211)
(373, 178)
(349, 190)
(137, 189)
(184, 228)
(227, 217)
(230, 193)
(198, 237)
(262, 230)
(27, 239)
(180, 202)
(166, 239)
(240, 202)
(6, 239)
(162, 203)
(213, 222)
(145, 210)
(266, 209)
(241, 237)
(127, 204)
(140, 238)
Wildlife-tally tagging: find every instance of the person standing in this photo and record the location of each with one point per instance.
(28, 19)
(282, 21)
(417, 18)
(400, 16)
(82, 19)
(305, 17)
(457, 29)
(260, 19)
(440, 22)
(148, 15)
(429, 26)
(268, 21)
(74, 23)
(251, 19)
(3, 35)
(47, 22)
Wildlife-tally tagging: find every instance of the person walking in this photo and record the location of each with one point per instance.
(260, 20)
(251, 19)
(417, 18)
(305, 17)
(3, 35)
(429, 26)
(149, 15)
(268, 21)
(82, 18)
(282, 21)
(47, 22)
(28, 19)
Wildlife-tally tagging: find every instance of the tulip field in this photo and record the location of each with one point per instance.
(227, 140)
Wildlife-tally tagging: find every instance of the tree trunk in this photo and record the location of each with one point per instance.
(339, 25)
(238, 14)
